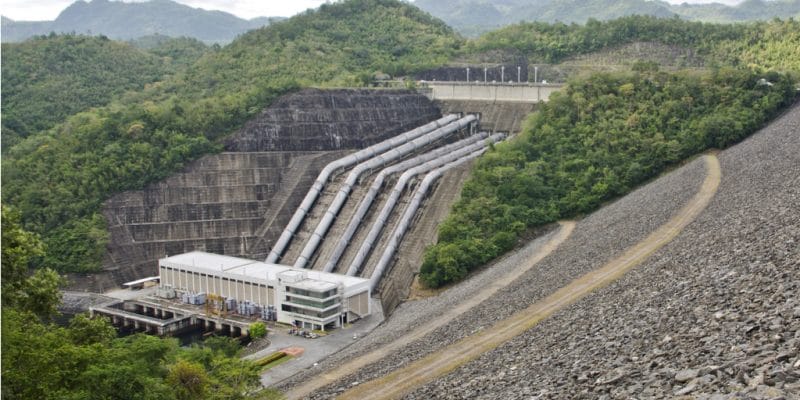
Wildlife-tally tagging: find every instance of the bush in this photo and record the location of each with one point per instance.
(258, 330)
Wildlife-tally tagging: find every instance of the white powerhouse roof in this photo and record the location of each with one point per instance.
(219, 264)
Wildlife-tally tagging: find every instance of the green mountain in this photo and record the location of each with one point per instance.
(472, 17)
(58, 179)
(125, 21)
(49, 78)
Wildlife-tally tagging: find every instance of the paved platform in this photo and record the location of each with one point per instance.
(317, 349)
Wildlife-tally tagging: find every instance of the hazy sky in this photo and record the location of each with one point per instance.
(40, 10)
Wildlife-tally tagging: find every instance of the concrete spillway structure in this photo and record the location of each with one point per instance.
(322, 179)
(378, 160)
(377, 226)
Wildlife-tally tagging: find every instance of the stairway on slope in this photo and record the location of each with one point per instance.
(363, 229)
(342, 220)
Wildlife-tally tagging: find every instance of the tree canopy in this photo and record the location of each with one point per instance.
(49, 78)
(760, 45)
(594, 141)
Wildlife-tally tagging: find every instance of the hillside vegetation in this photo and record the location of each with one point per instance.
(58, 179)
(606, 133)
(47, 79)
(130, 20)
(758, 45)
(472, 17)
(179, 51)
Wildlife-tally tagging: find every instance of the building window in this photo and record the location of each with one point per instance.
(310, 313)
(312, 303)
(308, 293)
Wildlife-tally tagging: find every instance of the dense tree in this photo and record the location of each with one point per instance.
(35, 293)
(600, 137)
(258, 330)
(49, 78)
(86, 361)
(179, 52)
(759, 45)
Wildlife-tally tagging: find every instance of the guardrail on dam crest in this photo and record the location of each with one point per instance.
(489, 92)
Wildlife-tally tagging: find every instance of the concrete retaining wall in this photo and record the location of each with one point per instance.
(521, 93)
(237, 202)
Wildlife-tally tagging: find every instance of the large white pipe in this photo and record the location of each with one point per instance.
(408, 216)
(383, 218)
(372, 163)
(344, 162)
(377, 183)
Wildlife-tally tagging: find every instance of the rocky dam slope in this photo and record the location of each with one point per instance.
(715, 311)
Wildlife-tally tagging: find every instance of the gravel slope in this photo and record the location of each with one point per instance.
(597, 238)
(714, 314)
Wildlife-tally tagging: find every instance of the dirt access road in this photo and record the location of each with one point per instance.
(403, 380)
(350, 367)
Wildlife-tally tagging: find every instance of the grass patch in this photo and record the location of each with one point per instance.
(276, 362)
(276, 356)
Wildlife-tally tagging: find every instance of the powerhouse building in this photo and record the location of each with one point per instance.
(309, 299)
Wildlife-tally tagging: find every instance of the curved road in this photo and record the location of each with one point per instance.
(353, 365)
(417, 373)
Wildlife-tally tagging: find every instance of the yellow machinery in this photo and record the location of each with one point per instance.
(215, 305)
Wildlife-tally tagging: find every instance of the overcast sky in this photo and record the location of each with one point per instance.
(41, 10)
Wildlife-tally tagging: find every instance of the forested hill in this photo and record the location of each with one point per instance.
(120, 20)
(472, 17)
(58, 179)
(49, 78)
(759, 45)
(606, 133)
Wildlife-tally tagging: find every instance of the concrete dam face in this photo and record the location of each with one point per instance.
(238, 202)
